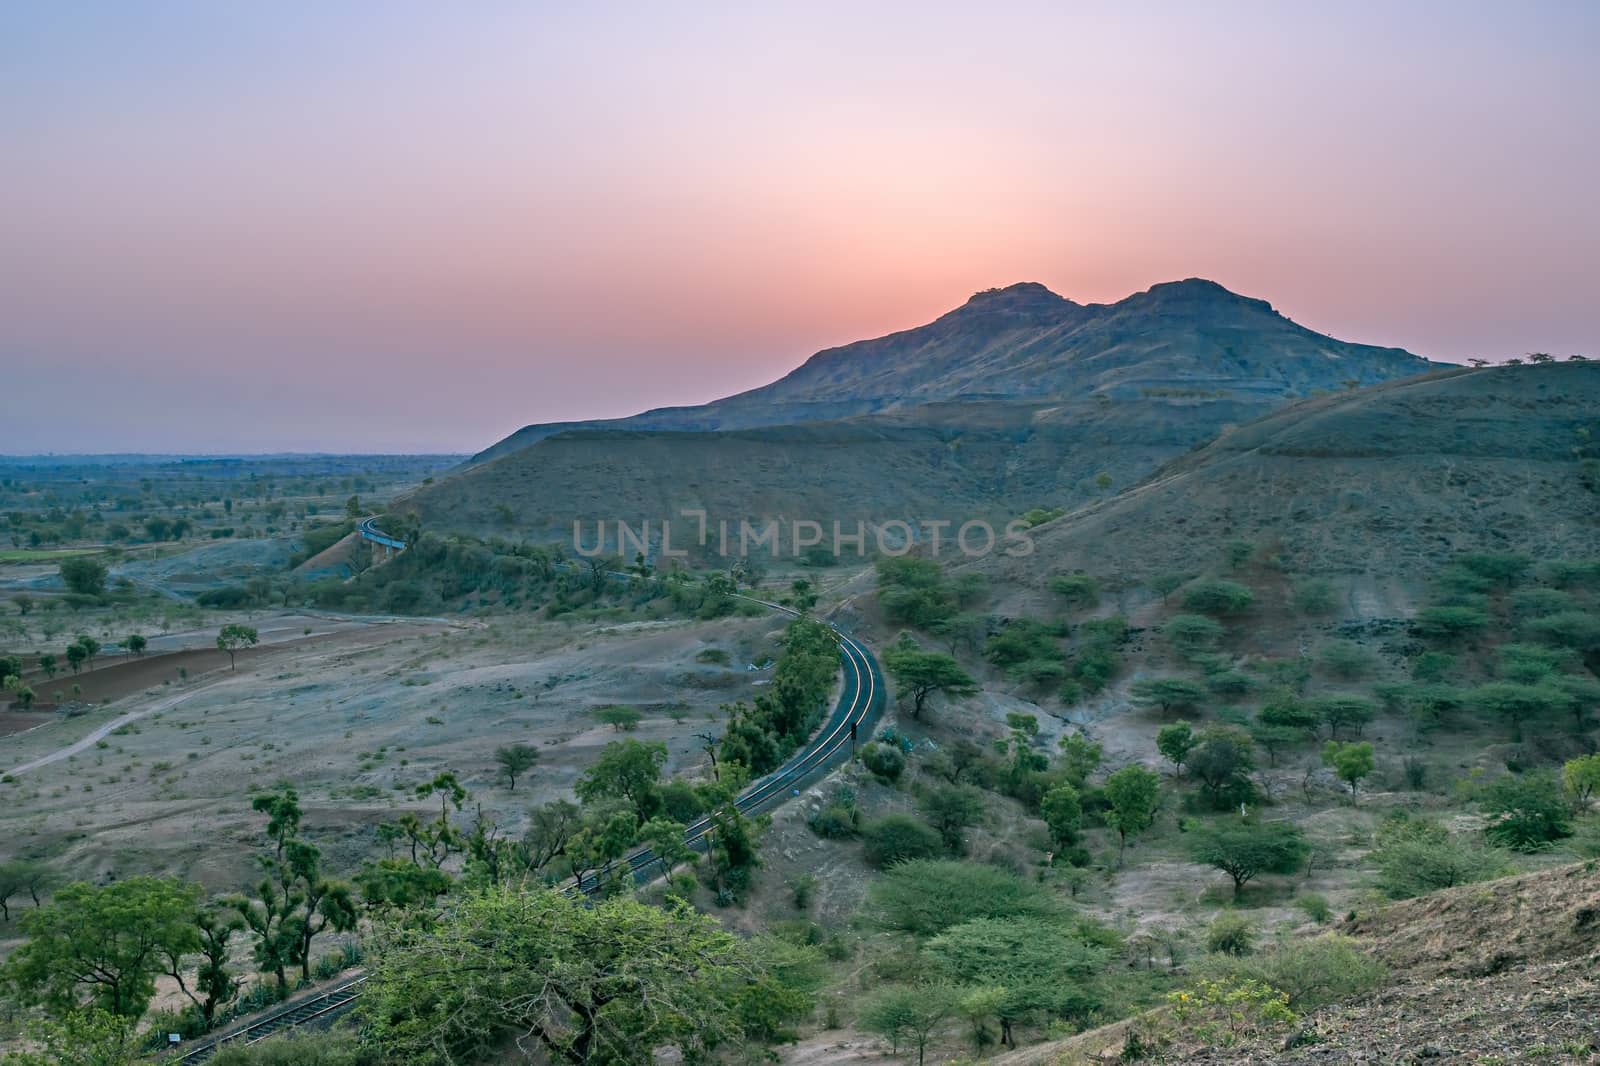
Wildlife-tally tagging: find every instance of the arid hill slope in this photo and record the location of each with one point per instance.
(1381, 481)
(953, 461)
(1507, 971)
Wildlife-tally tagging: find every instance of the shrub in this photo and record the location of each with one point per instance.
(1217, 597)
(1228, 1011)
(897, 838)
(1526, 811)
(1311, 973)
(1569, 629)
(885, 762)
(1432, 665)
(1415, 856)
(835, 821)
(926, 897)
(1230, 934)
(1314, 596)
(1077, 591)
(1346, 660)
(1316, 906)
(1191, 633)
(1450, 623)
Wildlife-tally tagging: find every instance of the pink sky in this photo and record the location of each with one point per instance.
(361, 226)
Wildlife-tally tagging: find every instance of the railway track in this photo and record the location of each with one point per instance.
(859, 702)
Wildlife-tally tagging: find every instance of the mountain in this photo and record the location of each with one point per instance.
(1018, 399)
(1024, 342)
(1380, 484)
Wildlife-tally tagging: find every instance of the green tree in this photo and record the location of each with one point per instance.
(664, 838)
(80, 1038)
(1078, 591)
(76, 656)
(619, 717)
(1525, 811)
(1345, 660)
(514, 759)
(90, 646)
(1168, 693)
(896, 838)
(1188, 634)
(1062, 809)
(1568, 629)
(1221, 762)
(1415, 856)
(1517, 704)
(1080, 757)
(1132, 794)
(609, 982)
(234, 638)
(626, 770)
(1175, 742)
(1046, 969)
(950, 809)
(912, 591)
(884, 761)
(136, 644)
(84, 575)
(48, 664)
(215, 985)
(1450, 624)
(1343, 711)
(1351, 763)
(1580, 780)
(1217, 597)
(1314, 596)
(1245, 849)
(104, 946)
(294, 902)
(910, 1015)
(919, 674)
(925, 897)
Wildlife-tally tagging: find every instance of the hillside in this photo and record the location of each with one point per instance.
(1497, 972)
(954, 461)
(1383, 482)
(1024, 342)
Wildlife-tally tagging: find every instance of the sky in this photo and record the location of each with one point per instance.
(409, 227)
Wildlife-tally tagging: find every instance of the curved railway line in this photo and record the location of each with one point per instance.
(860, 700)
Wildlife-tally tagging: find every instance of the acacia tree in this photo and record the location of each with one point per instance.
(1168, 693)
(234, 638)
(919, 674)
(1245, 849)
(910, 1016)
(515, 759)
(583, 983)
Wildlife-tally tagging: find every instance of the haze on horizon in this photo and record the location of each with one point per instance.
(359, 227)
